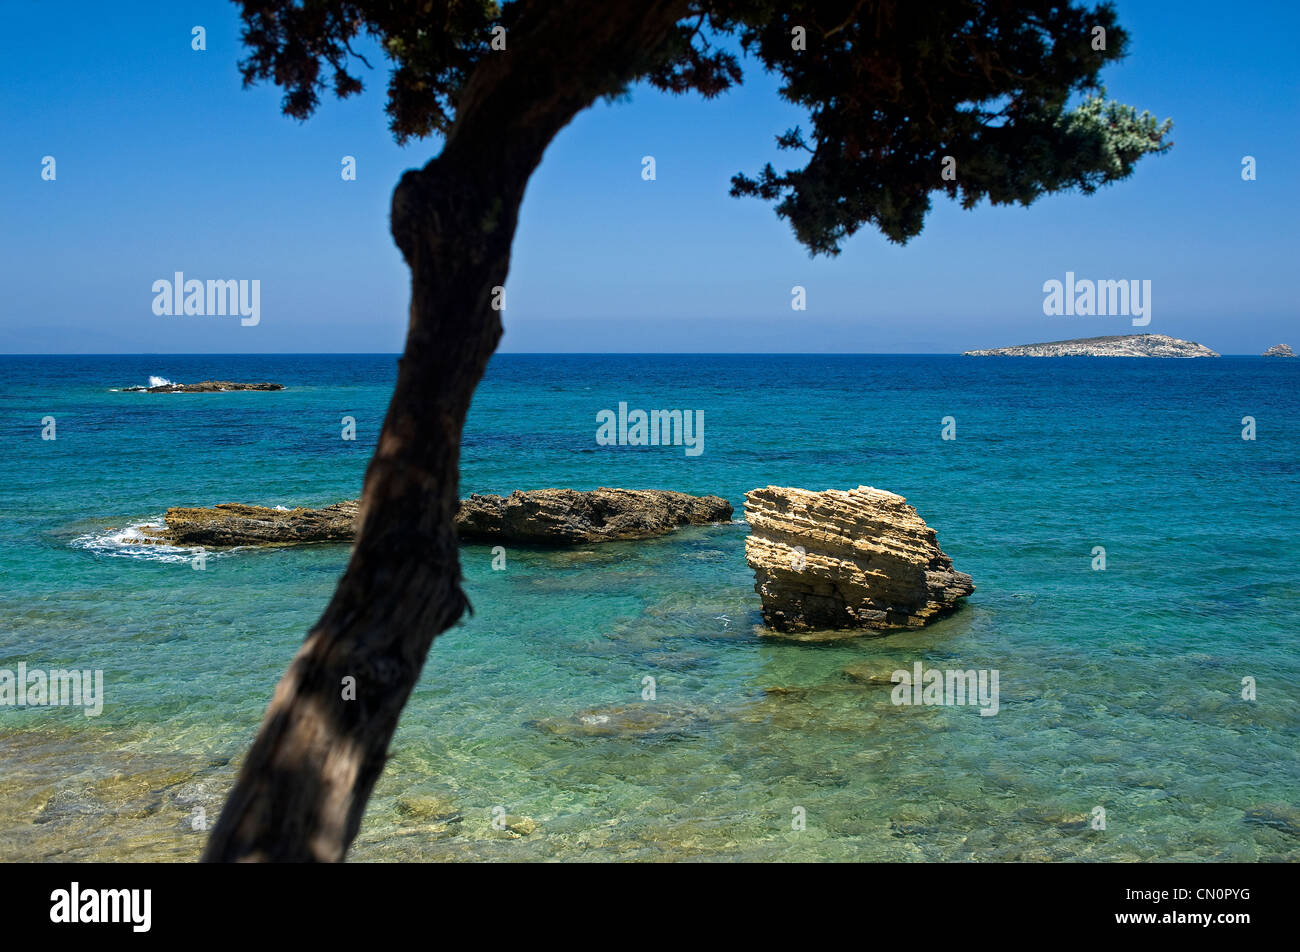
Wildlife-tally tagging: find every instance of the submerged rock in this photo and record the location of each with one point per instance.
(550, 516)
(629, 721)
(521, 825)
(855, 559)
(1279, 350)
(427, 809)
(205, 386)
(601, 515)
(1067, 821)
(1279, 816)
(869, 672)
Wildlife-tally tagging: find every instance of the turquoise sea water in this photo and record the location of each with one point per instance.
(1119, 688)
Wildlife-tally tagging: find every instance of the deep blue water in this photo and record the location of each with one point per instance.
(1119, 688)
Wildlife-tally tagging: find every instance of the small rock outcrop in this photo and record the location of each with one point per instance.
(545, 516)
(233, 523)
(855, 559)
(1279, 350)
(601, 515)
(1120, 345)
(205, 386)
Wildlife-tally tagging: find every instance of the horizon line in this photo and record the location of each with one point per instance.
(561, 353)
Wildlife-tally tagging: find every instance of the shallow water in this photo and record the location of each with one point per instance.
(1118, 688)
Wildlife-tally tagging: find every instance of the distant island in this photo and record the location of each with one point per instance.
(1119, 345)
(159, 385)
(1279, 350)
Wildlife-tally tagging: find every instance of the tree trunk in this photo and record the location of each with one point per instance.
(305, 783)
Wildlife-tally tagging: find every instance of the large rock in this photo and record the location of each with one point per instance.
(602, 515)
(1280, 350)
(867, 560)
(554, 516)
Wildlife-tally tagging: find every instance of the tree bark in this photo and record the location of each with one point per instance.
(304, 785)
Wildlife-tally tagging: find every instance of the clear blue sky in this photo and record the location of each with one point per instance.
(164, 164)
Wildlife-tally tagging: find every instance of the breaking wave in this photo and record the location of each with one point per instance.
(130, 542)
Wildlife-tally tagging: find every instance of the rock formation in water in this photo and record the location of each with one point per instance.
(205, 386)
(234, 523)
(546, 516)
(1279, 350)
(1122, 345)
(855, 559)
(601, 515)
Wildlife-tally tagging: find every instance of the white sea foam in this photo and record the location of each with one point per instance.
(128, 542)
(159, 381)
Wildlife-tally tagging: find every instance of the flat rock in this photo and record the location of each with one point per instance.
(233, 523)
(855, 559)
(205, 386)
(1119, 345)
(602, 515)
(545, 516)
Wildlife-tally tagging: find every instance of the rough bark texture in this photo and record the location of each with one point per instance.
(304, 785)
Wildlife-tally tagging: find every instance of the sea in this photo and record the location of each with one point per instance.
(1130, 525)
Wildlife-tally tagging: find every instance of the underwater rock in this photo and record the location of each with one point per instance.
(637, 720)
(1279, 816)
(521, 825)
(871, 673)
(425, 808)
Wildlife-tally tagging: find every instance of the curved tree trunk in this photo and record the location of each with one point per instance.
(304, 786)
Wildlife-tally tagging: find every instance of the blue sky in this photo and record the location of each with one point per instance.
(165, 164)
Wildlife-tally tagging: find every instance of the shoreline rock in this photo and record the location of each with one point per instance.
(1279, 350)
(1119, 345)
(542, 516)
(868, 561)
(204, 386)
